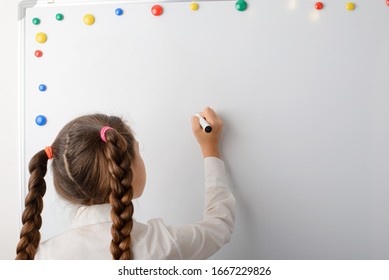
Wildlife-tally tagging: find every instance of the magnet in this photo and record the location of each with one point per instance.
(36, 21)
(157, 10)
(194, 6)
(350, 6)
(59, 17)
(41, 120)
(41, 37)
(319, 5)
(38, 53)
(89, 19)
(42, 87)
(119, 11)
(241, 5)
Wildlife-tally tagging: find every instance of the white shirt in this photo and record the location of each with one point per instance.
(91, 236)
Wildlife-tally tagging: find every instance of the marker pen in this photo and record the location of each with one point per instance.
(204, 124)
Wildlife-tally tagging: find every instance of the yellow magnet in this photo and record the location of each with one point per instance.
(194, 6)
(89, 19)
(41, 37)
(350, 6)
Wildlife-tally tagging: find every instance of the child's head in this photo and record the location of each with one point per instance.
(90, 166)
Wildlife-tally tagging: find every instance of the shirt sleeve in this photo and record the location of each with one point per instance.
(204, 238)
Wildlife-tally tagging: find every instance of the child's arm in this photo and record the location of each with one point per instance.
(202, 239)
(209, 142)
(206, 237)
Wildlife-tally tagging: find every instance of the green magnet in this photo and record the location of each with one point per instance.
(241, 5)
(36, 21)
(59, 16)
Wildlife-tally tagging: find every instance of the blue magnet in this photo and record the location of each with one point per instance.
(119, 11)
(41, 120)
(42, 87)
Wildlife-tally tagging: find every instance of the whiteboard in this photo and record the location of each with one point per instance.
(304, 95)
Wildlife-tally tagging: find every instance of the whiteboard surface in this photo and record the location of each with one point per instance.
(304, 95)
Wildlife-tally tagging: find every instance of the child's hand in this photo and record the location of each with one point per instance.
(209, 142)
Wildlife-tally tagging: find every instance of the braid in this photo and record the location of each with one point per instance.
(119, 167)
(31, 218)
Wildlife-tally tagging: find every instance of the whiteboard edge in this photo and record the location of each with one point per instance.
(21, 116)
(23, 5)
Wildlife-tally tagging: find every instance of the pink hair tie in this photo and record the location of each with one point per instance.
(103, 131)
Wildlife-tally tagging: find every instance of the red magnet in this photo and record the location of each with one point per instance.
(387, 2)
(38, 53)
(157, 10)
(319, 5)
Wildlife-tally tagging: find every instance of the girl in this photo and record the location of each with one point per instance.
(96, 164)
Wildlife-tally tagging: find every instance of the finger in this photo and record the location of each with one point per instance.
(209, 114)
(209, 111)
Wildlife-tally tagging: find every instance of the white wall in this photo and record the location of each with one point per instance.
(9, 198)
